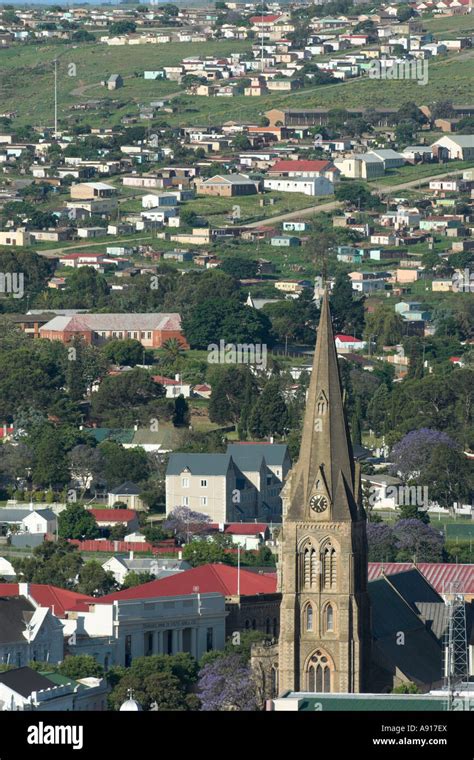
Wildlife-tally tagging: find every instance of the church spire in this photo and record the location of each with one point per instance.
(322, 483)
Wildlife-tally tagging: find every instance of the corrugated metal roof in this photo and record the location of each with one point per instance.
(440, 576)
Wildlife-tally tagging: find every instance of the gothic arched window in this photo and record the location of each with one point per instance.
(329, 618)
(309, 566)
(318, 675)
(309, 617)
(329, 566)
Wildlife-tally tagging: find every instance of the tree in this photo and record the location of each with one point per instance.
(347, 311)
(184, 522)
(227, 683)
(384, 327)
(50, 460)
(412, 455)
(357, 194)
(55, 563)
(86, 462)
(76, 522)
(270, 414)
(80, 666)
(181, 414)
(127, 352)
(122, 27)
(240, 267)
(124, 464)
(233, 391)
(240, 142)
(377, 409)
(134, 578)
(414, 539)
(203, 553)
(449, 475)
(216, 319)
(94, 580)
(381, 542)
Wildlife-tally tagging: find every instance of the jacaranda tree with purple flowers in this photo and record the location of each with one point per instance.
(411, 456)
(415, 539)
(184, 523)
(227, 684)
(381, 541)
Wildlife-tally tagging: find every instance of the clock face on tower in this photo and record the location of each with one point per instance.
(318, 503)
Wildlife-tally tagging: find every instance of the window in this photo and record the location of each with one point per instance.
(185, 482)
(274, 681)
(329, 618)
(267, 625)
(168, 642)
(247, 625)
(318, 677)
(309, 617)
(203, 483)
(148, 643)
(275, 627)
(254, 624)
(203, 501)
(128, 650)
(209, 639)
(309, 566)
(329, 562)
(185, 501)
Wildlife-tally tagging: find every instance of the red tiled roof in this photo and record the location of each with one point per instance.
(440, 575)
(301, 166)
(246, 529)
(347, 338)
(113, 515)
(221, 579)
(164, 380)
(59, 600)
(264, 19)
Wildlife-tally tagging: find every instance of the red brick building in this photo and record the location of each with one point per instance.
(152, 330)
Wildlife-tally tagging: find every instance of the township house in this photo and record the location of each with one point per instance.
(227, 185)
(152, 330)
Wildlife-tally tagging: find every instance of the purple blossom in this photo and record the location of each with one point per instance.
(381, 542)
(227, 683)
(416, 539)
(413, 453)
(183, 522)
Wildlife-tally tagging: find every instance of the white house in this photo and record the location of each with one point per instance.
(314, 186)
(40, 521)
(28, 631)
(348, 343)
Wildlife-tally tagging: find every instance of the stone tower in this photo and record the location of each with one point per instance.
(324, 640)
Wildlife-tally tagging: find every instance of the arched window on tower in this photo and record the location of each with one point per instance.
(329, 618)
(309, 567)
(318, 674)
(309, 617)
(329, 566)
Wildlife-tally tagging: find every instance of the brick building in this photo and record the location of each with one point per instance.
(152, 330)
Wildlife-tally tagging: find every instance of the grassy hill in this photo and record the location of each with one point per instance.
(27, 84)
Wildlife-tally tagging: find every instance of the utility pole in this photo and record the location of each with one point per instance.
(55, 97)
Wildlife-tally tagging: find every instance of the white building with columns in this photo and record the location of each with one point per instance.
(117, 631)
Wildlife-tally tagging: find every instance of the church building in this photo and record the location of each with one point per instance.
(325, 631)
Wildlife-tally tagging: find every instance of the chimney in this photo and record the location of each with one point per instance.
(130, 554)
(272, 439)
(24, 589)
(177, 377)
(180, 555)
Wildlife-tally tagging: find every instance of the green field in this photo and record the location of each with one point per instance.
(27, 84)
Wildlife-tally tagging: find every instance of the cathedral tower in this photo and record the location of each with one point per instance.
(325, 618)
